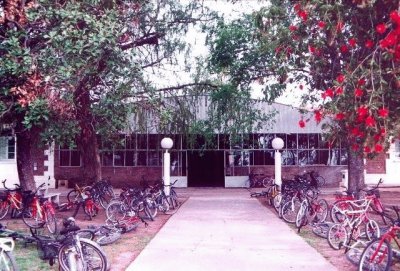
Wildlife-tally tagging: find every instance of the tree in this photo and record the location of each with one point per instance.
(344, 56)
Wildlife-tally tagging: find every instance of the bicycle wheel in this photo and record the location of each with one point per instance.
(7, 261)
(33, 218)
(376, 256)
(276, 201)
(150, 211)
(301, 217)
(372, 230)
(51, 222)
(321, 210)
(290, 209)
(108, 238)
(354, 252)
(320, 181)
(116, 211)
(93, 256)
(163, 204)
(321, 229)
(86, 233)
(337, 211)
(337, 236)
(4, 208)
(267, 182)
(72, 195)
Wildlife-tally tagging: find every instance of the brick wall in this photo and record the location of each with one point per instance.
(376, 165)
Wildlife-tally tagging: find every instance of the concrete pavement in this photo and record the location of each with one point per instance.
(225, 229)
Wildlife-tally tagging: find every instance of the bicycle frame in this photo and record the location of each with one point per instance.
(389, 236)
(6, 244)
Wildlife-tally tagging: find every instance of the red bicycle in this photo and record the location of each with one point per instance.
(39, 212)
(378, 255)
(11, 199)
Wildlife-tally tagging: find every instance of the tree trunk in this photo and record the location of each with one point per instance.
(356, 171)
(87, 141)
(25, 141)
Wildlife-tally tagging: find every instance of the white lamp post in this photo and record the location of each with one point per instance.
(278, 144)
(167, 143)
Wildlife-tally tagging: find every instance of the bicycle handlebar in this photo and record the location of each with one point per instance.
(17, 186)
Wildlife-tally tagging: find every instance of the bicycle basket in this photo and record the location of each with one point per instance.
(47, 248)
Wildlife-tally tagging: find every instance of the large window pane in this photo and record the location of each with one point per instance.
(154, 158)
(154, 142)
(289, 157)
(292, 141)
(130, 158)
(323, 157)
(303, 158)
(344, 157)
(303, 141)
(313, 141)
(119, 158)
(75, 159)
(142, 158)
(64, 158)
(142, 141)
(11, 148)
(131, 142)
(107, 158)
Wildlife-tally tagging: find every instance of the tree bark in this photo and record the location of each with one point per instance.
(87, 141)
(356, 171)
(25, 140)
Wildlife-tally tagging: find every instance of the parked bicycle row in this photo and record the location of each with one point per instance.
(358, 222)
(72, 247)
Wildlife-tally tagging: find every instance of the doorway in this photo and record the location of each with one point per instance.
(206, 169)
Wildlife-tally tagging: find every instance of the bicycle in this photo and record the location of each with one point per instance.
(339, 235)
(312, 210)
(40, 212)
(378, 254)
(7, 260)
(257, 180)
(71, 251)
(12, 198)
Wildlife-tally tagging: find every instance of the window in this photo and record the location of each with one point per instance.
(396, 150)
(7, 148)
(69, 157)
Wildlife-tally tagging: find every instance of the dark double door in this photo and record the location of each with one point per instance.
(206, 169)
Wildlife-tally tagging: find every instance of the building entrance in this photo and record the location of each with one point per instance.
(206, 169)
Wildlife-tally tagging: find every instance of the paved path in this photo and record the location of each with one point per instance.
(224, 229)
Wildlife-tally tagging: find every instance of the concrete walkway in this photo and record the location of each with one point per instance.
(225, 229)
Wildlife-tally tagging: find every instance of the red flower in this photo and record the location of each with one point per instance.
(311, 49)
(381, 28)
(382, 131)
(293, 28)
(328, 93)
(362, 111)
(353, 42)
(297, 7)
(340, 116)
(369, 44)
(367, 149)
(361, 82)
(355, 131)
(339, 90)
(317, 116)
(378, 148)
(321, 24)
(370, 121)
(303, 15)
(358, 92)
(395, 17)
(383, 112)
(344, 49)
(340, 78)
(302, 124)
(389, 41)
